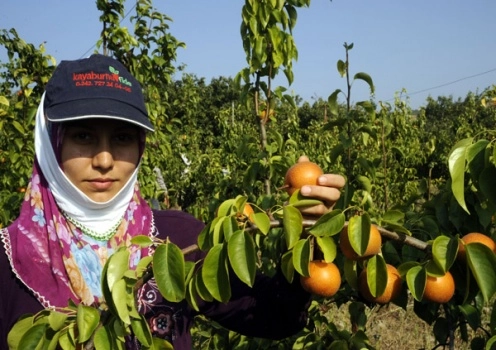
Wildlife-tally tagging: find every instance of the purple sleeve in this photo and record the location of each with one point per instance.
(273, 308)
(15, 299)
(181, 228)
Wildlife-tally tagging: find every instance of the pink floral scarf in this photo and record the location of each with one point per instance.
(54, 259)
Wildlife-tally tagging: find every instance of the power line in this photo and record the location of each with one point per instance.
(123, 18)
(450, 83)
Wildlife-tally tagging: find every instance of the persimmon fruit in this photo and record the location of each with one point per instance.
(324, 279)
(439, 289)
(373, 247)
(472, 238)
(248, 212)
(393, 286)
(264, 115)
(301, 174)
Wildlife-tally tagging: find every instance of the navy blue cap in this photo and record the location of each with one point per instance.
(98, 86)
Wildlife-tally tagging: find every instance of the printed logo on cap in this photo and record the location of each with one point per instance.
(110, 80)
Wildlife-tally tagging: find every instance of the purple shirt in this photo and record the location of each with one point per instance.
(272, 309)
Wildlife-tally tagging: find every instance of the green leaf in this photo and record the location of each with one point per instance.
(328, 247)
(4, 101)
(405, 267)
(262, 221)
(377, 275)
(226, 208)
(493, 158)
(332, 101)
(329, 224)
(218, 232)
(486, 183)
(143, 265)
(301, 256)
(229, 225)
(433, 269)
(18, 331)
(239, 203)
(336, 152)
(482, 262)
(242, 256)
(102, 339)
(201, 289)
(416, 278)
(119, 330)
(365, 77)
(87, 320)
(298, 201)
(287, 266)
(491, 343)
(189, 270)
(492, 322)
(366, 183)
(33, 337)
(53, 341)
(161, 344)
(18, 126)
(440, 329)
(204, 238)
(66, 337)
(350, 271)
(359, 233)
(142, 240)
(142, 331)
(456, 162)
(117, 265)
(395, 227)
(119, 296)
(444, 251)
(360, 340)
(107, 295)
(476, 159)
(192, 295)
(293, 225)
(369, 108)
(341, 66)
(339, 345)
(57, 320)
(215, 273)
(169, 271)
(471, 315)
(395, 216)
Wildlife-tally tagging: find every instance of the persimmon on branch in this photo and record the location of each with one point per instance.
(391, 235)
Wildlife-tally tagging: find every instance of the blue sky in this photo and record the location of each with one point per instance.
(428, 47)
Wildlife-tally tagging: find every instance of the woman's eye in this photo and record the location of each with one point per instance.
(81, 136)
(125, 138)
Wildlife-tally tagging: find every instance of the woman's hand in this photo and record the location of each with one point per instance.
(328, 191)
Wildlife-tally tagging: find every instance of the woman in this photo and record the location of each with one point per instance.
(83, 201)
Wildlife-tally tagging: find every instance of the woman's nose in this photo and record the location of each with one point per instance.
(103, 158)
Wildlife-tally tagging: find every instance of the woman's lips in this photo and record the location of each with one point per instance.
(101, 184)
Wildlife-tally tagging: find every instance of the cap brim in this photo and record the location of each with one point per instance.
(98, 108)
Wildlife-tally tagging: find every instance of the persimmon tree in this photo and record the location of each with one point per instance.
(22, 79)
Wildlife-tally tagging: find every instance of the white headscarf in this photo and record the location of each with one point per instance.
(98, 216)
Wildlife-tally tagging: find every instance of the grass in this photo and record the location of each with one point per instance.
(392, 327)
(387, 327)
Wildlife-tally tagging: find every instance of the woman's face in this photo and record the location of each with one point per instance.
(100, 155)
